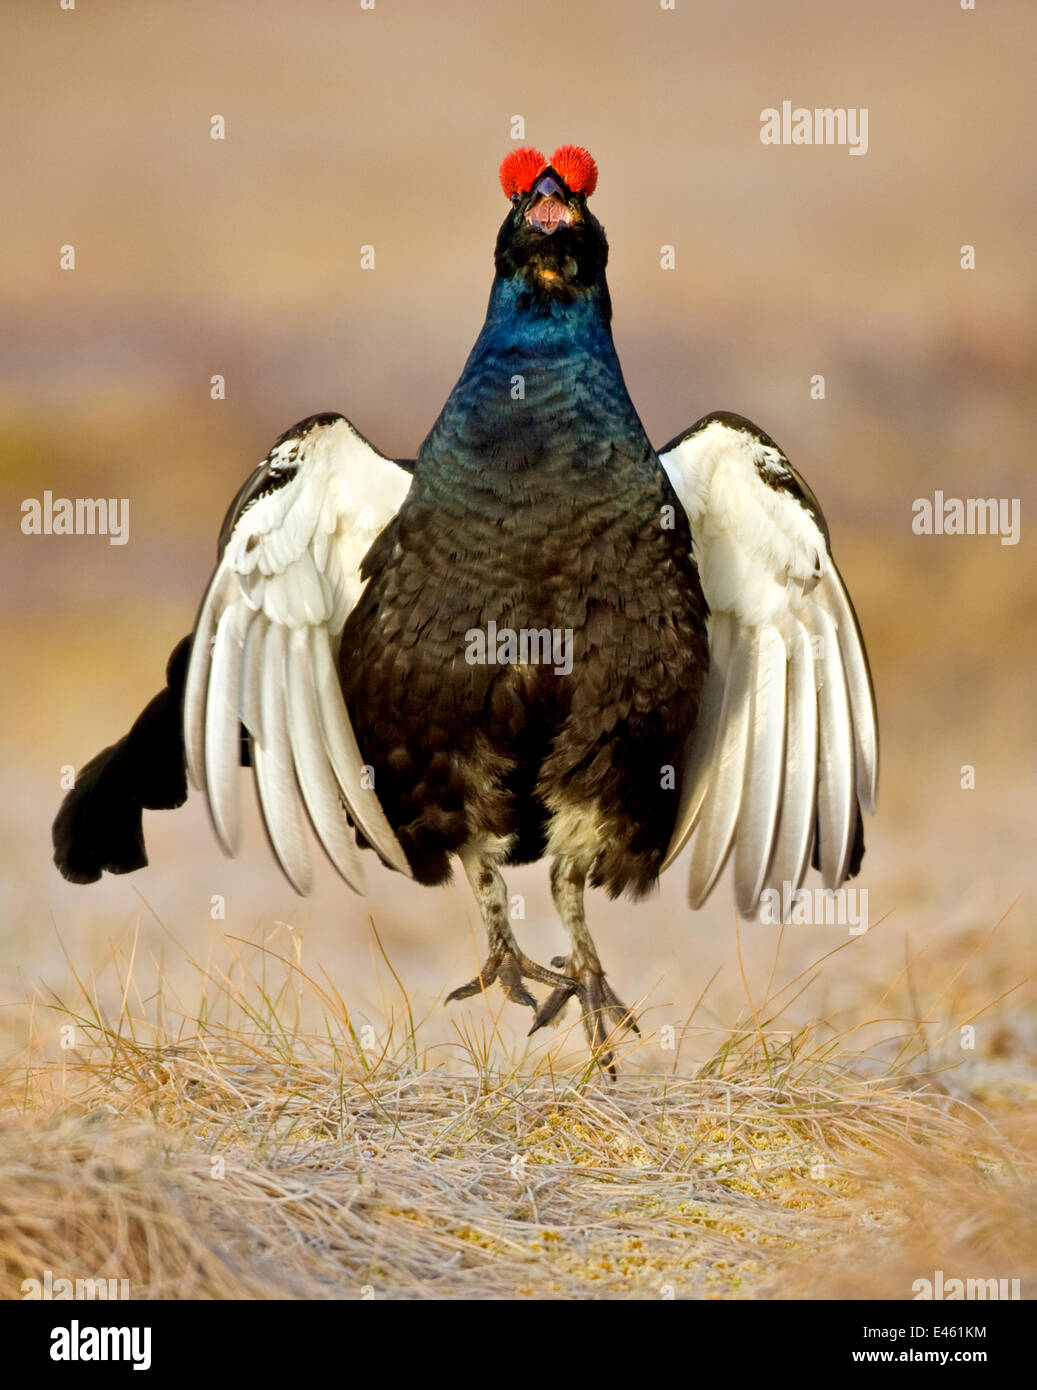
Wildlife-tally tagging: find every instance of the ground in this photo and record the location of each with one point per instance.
(269, 1144)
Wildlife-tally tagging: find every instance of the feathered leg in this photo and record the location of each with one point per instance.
(506, 963)
(603, 1012)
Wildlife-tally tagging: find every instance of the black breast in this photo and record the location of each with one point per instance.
(587, 542)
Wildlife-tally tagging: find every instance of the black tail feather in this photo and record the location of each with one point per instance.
(99, 827)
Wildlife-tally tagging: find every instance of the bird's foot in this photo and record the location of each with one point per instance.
(509, 967)
(603, 1011)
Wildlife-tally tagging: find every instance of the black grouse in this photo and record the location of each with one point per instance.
(542, 638)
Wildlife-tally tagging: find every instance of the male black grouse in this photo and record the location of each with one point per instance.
(543, 637)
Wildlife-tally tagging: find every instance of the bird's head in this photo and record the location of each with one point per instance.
(550, 239)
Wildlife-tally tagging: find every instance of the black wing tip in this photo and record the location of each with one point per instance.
(281, 465)
(732, 420)
(784, 478)
(322, 419)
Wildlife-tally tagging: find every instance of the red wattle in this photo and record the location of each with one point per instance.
(576, 167)
(519, 169)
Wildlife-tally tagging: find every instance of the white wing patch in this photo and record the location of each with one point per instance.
(755, 545)
(787, 738)
(265, 648)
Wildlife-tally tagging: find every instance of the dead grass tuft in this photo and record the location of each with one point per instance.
(257, 1144)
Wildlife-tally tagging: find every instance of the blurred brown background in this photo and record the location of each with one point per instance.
(241, 257)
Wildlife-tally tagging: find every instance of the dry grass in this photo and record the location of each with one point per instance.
(253, 1146)
(477, 1168)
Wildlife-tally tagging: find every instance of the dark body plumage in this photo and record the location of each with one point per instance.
(503, 651)
(537, 502)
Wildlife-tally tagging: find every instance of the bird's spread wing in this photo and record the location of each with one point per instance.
(786, 748)
(266, 647)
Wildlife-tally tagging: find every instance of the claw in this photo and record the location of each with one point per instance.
(510, 978)
(482, 981)
(549, 1009)
(510, 968)
(599, 1003)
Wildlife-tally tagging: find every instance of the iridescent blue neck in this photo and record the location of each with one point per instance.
(520, 320)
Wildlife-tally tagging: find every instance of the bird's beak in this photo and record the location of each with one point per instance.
(549, 209)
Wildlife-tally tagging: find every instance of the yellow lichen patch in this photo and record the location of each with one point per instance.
(568, 1137)
(472, 1236)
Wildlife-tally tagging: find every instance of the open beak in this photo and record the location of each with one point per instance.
(549, 209)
